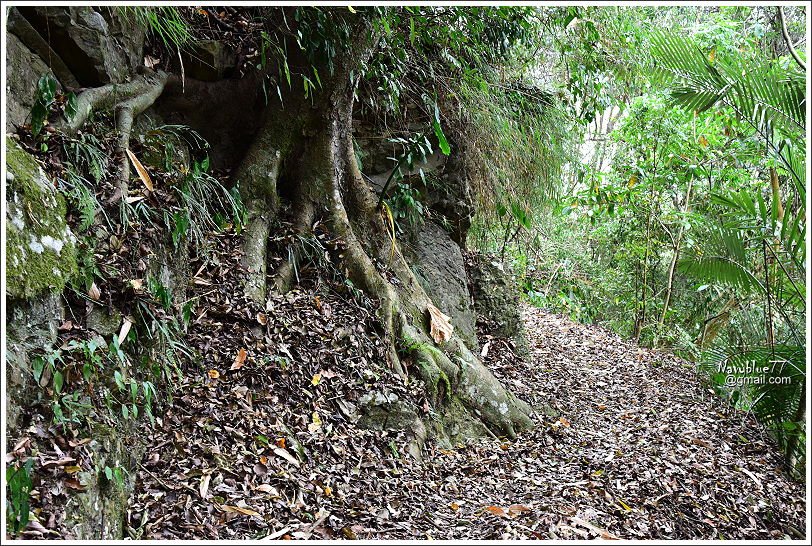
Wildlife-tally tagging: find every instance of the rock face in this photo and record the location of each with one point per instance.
(496, 298)
(439, 267)
(98, 45)
(23, 69)
(40, 248)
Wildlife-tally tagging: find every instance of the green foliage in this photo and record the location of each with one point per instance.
(768, 96)
(19, 484)
(44, 98)
(201, 203)
(165, 24)
(405, 205)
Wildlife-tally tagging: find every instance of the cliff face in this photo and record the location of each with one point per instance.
(109, 303)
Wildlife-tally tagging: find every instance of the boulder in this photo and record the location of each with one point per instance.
(23, 70)
(40, 248)
(438, 265)
(98, 45)
(496, 298)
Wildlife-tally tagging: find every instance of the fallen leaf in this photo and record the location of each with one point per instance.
(316, 379)
(204, 485)
(74, 484)
(239, 360)
(214, 374)
(142, 172)
(315, 424)
(454, 506)
(328, 491)
(516, 509)
(94, 293)
(280, 442)
(262, 318)
(285, 454)
(441, 328)
(496, 511)
(137, 284)
(125, 329)
(238, 510)
(73, 469)
(564, 421)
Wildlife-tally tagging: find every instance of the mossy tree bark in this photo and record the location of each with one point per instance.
(310, 144)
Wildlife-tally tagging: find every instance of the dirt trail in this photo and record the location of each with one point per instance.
(637, 448)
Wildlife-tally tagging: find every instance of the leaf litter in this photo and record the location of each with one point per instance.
(629, 443)
(263, 437)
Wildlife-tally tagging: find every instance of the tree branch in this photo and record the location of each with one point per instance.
(787, 39)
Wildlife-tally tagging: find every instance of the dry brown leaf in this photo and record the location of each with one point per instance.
(285, 454)
(516, 509)
(238, 510)
(240, 359)
(214, 374)
(75, 484)
(142, 172)
(496, 511)
(262, 318)
(125, 329)
(441, 328)
(94, 293)
(564, 421)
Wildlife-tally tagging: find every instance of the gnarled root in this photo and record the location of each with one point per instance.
(126, 112)
(150, 86)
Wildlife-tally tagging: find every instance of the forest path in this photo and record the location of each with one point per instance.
(640, 450)
(637, 447)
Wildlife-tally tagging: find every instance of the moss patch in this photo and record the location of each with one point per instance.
(40, 248)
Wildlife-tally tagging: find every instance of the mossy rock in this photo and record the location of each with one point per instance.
(40, 248)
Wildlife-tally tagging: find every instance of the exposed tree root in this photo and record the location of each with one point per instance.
(126, 112)
(109, 96)
(326, 176)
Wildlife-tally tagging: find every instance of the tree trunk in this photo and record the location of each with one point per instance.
(317, 138)
(675, 258)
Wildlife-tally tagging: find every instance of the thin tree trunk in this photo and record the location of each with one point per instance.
(675, 258)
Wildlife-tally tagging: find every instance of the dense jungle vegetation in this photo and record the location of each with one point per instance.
(672, 208)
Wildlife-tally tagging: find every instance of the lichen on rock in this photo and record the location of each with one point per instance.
(40, 247)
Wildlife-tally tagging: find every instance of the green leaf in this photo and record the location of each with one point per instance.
(59, 379)
(37, 367)
(71, 106)
(438, 131)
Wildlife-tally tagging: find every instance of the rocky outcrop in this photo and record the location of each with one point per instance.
(40, 248)
(496, 298)
(438, 264)
(23, 70)
(98, 45)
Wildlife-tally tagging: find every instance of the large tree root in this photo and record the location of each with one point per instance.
(315, 142)
(128, 100)
(108, 96)
(126, 112)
